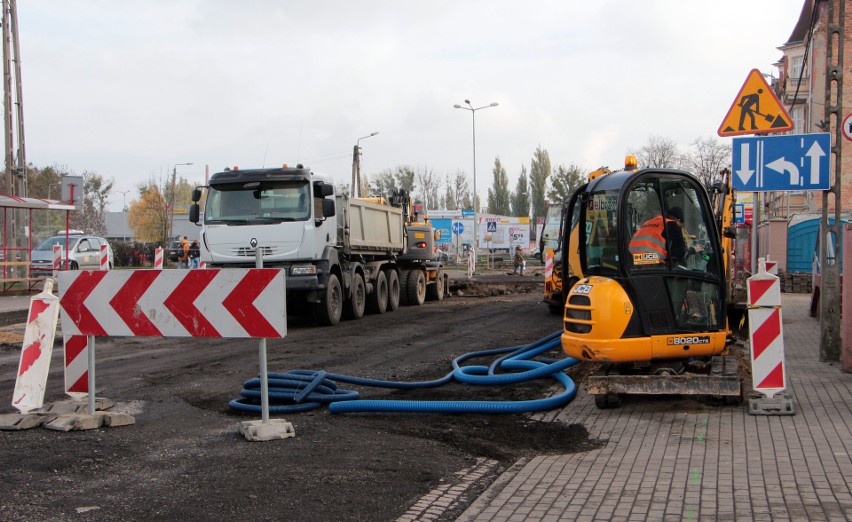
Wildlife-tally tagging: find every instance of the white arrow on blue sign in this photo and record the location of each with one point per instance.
(458, 228)
(782, 163)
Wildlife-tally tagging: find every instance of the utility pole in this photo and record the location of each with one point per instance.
(13, 120)
(829, 301)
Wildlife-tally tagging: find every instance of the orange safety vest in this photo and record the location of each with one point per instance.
(648, 245)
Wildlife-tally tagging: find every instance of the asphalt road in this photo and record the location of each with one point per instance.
(185, 459)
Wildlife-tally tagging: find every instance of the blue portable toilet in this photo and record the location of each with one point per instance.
(802, 233)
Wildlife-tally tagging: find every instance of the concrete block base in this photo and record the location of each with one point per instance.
(113, 420)
(23, 421)
(262, 431)
(780, 405)
(74, 422)
(78, 406)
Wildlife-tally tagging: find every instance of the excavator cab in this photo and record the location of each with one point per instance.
(653, 275)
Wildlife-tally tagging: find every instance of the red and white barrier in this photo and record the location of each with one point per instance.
(57, 260)
(771, 266)
(104, 258)
(36, 351)
(76, 365)
(766, 333)
(174, 303)
(158, 258)
(548, 264)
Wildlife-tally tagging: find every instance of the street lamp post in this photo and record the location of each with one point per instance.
(172, 206)
(356, 165)
(124, 212)
(475, 210)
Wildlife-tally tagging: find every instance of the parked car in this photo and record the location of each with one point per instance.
(174, 251)
(84, 253)
(442, 257)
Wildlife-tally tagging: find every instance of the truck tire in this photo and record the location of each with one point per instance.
(415, 288)
(393, 289)
(329, 310)
(435, 291)
(377, 302)
(358, 301)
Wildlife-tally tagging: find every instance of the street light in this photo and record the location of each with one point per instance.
(475, 211)
(124, 212)
(172, 206)
(356, 165)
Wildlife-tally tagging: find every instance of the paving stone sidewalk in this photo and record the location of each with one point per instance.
(699, 463)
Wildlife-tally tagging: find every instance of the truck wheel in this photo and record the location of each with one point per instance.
(403, 287)
(415, 288)
(356, 303)
(393, 289)
(328, 311)
(435, 291)
(377, 302)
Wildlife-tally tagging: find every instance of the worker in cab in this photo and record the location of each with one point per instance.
(659, 240)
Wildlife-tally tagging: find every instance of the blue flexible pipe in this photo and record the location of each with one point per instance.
(303, 390)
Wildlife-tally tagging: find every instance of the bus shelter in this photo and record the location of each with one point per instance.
(16, 273)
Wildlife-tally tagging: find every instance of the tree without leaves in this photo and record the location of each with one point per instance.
(564, 182)
(659, 152)
(521, 196)
(539, 173)
(706, 157)
(499, 199)
(92, 208)
(428, 183)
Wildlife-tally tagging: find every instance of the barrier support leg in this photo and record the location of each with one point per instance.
(265, 429)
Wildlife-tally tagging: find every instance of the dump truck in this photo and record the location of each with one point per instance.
(342, 256)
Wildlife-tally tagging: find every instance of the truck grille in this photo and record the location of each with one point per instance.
(578, 314)
(249, 252)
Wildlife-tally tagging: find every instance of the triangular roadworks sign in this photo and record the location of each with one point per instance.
(756, 110)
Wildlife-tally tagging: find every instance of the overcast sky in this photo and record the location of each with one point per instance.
(129, 88)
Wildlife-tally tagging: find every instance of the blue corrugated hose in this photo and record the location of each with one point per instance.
(303, 390)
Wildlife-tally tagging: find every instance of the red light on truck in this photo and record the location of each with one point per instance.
(421, 244)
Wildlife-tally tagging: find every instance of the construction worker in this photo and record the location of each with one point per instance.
(648, 245)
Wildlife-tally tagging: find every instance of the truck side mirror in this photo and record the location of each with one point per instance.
(194, 211)
(196, 195)
(322, 190)
(328, 208)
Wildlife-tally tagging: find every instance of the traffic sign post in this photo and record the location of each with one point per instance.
(782, 163)
(755, 110)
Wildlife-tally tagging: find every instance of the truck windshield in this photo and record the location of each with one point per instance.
(263, 202)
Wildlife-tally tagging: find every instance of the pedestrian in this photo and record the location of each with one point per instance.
(183, 256)
(194, 254)
(519, 260)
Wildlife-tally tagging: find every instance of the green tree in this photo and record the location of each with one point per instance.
(539, 173)
(499, 199)
(564, 182)
(521, 196)
(389, 181)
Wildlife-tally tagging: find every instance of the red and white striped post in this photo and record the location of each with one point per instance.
(548, 264)
(766, 337)
(34, 364)
(104, 258)
(57, 260)
(158, 258)
(76, 365)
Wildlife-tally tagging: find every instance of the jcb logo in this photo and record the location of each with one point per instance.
(582, 289)
(696, 339)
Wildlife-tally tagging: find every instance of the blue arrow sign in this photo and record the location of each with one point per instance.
(458, 228)
(782, 163)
